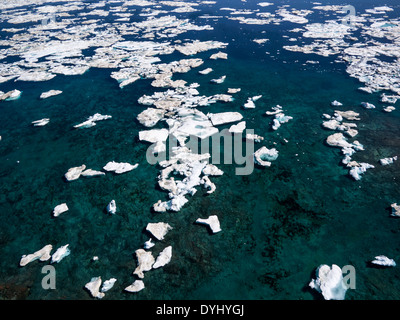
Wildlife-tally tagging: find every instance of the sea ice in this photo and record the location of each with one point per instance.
(158, 230)
(112, 207)
(50, 93)
(137, 286)
(11, 95)
(238, 128)
(367, 105)
(264, 156)
(60, 254)
(119, 167)
(224, 117)
(163, 258)
(145, 261)
(94, 287)
(212, 222)
(41, 122)
(42, 254)
(74, 173)
(329, 282)
(359, 169)
(91, 121)
(383, 261)
(386, 161)
(61, 208)
(395, 210)
(108, 284)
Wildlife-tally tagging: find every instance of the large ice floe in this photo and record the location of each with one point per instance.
(42, 255)
(329, 282)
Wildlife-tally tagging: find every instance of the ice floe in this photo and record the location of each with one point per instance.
(386, 161)
(383, 261)
(74, 173)
(136, 286)
(329, 282)
(93, 286)
(212, 222)
(120, 167)
(264, 156)
(11, 95)
(42, 254)
(61, 208)
(50, 93)
(158, 230)
(60, 254)
(145, 261)
(112, 207)
(163, 258)
(91, 121)
(41, 122)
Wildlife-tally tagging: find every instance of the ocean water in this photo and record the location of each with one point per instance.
(278, 223)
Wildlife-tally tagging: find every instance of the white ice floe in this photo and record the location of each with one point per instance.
(145, 262)
(50, 93)
(238, 128)
(11, 95)
(264, 156)
(233, 90)
(389, 109)
(383, 261)
(163, 258)
(219, 55)
(360, 168)
(149, 244)
(91, 121)
(218, 80)
(61, 208)
(112, 207)
(150, 117)
(254, 137)
(224, 117)
(212, 170)
(329, 282)
(92, 173)
(367, 105)
(136, 286)
(108, 284)
(158, 230)
(206, 182)
(154, 135)
(279, 119)
(386, 161)
(42, 254)
(206, 71)
(336, 103)
(119, 167)
(94, 287)
(212, 222)
(41, 122)
(249, 104)
(60, 254)
(74, 173)
(395, 210)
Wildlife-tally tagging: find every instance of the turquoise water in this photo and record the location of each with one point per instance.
(278, 224)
